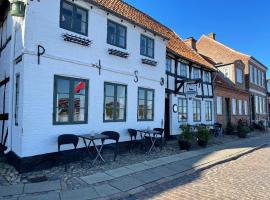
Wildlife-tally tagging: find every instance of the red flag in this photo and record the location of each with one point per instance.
(79, 87)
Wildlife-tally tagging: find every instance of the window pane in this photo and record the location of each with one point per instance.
(149, 95)
(62, 114)
(79, 101)
(121, 91)
(111, 33)
(141, 113)
(62, 100)
(109, 89)
(141, 94)
(143, 45)
(79, 87)
(121, 102)
(79, 114)
(109, 104)
(120, 114)
(149, 114)
(66, 19)
(63, 86)
(149, 105)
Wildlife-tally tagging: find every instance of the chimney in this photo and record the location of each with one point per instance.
(191, 42)
(212, 36)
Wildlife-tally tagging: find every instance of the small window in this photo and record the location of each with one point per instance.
(263, 77)
(207, 77)
(240, 107)
(196, 110)
(251, 73)
(168, 65)
(182, 110)
(70, 100)
(17, 94)
(147, 46)
(239, 75)
(255, 75)
(219, 105)
(183, 70)
(116, 34)
(261, 104)
(74, 18)
(196, 73)
(145, 104)
(259, 78)
(208, 110)
(245, 107)
(233, 106)
(256, 104)
(115, 102)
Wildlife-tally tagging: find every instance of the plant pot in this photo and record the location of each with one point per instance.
(184, 144)
(202, 143)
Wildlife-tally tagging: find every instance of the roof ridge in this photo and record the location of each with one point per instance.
(146, 15)
(229, 48)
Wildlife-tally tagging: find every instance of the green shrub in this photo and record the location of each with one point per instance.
(186, 134)
(203, 133)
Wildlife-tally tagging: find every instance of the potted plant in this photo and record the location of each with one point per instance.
(242, 129)
(185, 139)
(203, 136)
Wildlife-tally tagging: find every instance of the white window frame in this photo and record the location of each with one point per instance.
(245, 107)
(239, 75)
(193, 72)
(240, 107)
(219, 105)
(234, 106)
(207, 77)
(256, 104)
(251, 73)
(183, 66)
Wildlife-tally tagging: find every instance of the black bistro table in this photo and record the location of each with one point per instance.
(152, 135)
(91, 138)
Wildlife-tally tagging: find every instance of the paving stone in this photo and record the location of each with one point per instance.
(138, 167)
(170, 159)
(155, 163)
(106, 190)
(178, 167)
(82, 194)
(164, 171)
(48, 196)
(96, 178)
(122, 171)
(126, 183)
(11, 190)
(42, 186)
(11, 198)
(147, 176)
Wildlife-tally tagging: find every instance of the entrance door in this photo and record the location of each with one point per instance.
(252, 108)
(167, 131)
(228, 110)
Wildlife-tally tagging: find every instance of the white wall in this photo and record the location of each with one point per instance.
(72, 60)
(175, 124)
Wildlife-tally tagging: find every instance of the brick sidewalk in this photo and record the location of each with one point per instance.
(128, 180)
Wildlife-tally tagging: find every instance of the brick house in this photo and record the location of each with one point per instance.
(238, 67)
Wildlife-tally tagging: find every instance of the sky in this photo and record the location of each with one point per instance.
(243, 25)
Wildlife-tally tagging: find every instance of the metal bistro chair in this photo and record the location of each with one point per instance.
(217, 130)
(133, 137)
(112, 135)
(161, 136)
(65, 140)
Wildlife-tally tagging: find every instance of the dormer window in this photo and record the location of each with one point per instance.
(239, 75)
(147, 46)
(73, 18)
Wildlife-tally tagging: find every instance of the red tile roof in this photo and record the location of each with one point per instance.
(175, 44)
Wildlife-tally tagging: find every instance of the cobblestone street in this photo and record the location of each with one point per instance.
(245, 178)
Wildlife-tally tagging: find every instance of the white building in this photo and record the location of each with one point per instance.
(89, 66)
